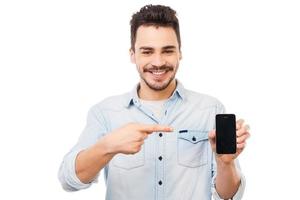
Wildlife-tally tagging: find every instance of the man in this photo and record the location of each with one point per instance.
(157, 141)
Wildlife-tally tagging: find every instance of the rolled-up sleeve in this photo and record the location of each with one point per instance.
(220, 109)
(239, 194)
(95, 128)
(67, 175)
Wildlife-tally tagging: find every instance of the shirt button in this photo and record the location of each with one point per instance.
(194, 139)
(160, 158)
(160, 182)
(160, 134)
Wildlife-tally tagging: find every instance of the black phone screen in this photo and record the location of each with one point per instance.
(225, 134)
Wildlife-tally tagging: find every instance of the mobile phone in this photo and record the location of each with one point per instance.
(225, 134)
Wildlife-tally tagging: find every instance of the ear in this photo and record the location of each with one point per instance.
(132, 56)
(180, 55)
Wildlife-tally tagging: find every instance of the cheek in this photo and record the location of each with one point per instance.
(140, 67)
(141, 64)
(173, 60)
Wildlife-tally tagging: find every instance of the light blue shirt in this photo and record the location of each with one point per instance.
(170, 166)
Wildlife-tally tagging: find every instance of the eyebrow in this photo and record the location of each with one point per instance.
(169, 47)
(146, 48)
(151, 48)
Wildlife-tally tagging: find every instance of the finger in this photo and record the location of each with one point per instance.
(154, 128)
(241, 145)
(247, 127)
(145, 136)
(212, 139)
(243, 138)
(142, 137)
(136, 147)
(241, 131)
(239, 123)
(212, 134)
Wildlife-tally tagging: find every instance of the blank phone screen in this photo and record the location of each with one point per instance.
(225, 134)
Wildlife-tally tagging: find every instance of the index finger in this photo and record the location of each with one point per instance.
(155, 128)
(239, 123)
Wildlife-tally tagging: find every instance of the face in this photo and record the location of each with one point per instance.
(156, 56)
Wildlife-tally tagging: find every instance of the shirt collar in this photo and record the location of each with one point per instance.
(132, 97)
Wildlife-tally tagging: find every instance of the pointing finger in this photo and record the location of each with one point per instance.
(155, 128)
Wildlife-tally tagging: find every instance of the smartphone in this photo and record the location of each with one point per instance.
(225, 134)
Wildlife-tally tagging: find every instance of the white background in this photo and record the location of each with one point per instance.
(59, 57)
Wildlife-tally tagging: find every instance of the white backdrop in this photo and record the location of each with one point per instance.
(60, 57)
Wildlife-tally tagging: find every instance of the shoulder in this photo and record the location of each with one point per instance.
(202, 100)
(113, 103)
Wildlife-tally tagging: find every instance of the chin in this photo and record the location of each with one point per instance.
(158, 85)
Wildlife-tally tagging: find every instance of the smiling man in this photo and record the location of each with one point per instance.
(157, 141)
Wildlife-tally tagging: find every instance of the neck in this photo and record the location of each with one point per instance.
(147, 93)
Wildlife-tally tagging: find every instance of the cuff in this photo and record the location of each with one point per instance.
(238, 195)
(67, 173)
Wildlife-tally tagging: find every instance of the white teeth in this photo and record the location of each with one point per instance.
(158, 72)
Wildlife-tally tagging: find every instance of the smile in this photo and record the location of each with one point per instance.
(158, 72)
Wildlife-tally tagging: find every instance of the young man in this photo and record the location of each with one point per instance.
(157, 141)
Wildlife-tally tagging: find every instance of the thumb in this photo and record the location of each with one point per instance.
(212, 139)
(212, 134)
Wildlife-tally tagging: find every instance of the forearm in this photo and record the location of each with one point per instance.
(227, 180)
(90, 161)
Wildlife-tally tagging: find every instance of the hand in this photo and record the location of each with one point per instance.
(129, 138)
(242, 135)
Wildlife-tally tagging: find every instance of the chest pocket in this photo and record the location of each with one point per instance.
(192, 148)
(130, 161)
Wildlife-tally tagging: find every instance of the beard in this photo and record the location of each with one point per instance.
(158, 85)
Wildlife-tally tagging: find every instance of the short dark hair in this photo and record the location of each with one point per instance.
(154, 15)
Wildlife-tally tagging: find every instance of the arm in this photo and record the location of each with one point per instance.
(96, 147)
(95, 128)
(228, 179)
(90, 161)
(127, 139)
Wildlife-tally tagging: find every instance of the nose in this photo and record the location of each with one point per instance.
(158, 60)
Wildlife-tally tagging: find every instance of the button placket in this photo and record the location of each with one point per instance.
(160, 164)
(160, 161)
(160, 152)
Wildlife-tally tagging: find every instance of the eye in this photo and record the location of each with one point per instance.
(146, 52)
(169, 51)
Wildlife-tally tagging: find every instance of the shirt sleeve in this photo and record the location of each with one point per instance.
(220, 109)
(239, 194)
(95, 128)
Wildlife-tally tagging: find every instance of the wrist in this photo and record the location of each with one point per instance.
(106, 145)
(222, 163)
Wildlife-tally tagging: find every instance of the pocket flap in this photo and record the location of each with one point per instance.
(193, 136)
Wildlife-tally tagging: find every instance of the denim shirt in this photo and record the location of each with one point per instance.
(179, 165)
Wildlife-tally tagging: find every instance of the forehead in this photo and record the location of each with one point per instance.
(155, 37)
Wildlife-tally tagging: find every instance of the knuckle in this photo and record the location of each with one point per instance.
(153, 128)
(141, 137)
(137, 149)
